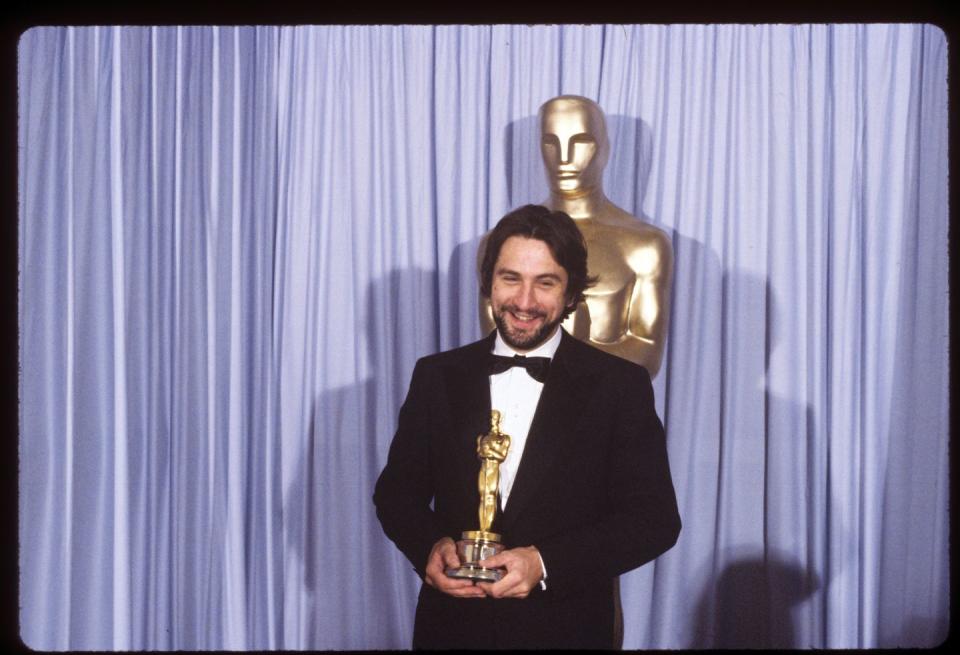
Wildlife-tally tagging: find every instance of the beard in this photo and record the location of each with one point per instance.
(521, 340)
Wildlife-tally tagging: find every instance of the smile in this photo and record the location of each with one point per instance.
(525, 320)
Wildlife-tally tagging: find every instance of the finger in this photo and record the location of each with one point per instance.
(504, 588)
(464, 587)
(445, 581)
(516, 591)
(454, 583)
(470, 592)
(486, 587)
(461, 588)
(450, 557)
(436, 558)
(436, 568)
(495, 561)
(446, 584)
(435, 565)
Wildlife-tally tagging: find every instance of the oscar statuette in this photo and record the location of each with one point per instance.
(477, 545)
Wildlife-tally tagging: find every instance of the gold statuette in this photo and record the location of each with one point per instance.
(477, 545)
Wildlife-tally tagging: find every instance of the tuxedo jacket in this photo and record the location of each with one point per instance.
(593, 493)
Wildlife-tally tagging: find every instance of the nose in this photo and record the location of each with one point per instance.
(566, 150)
(525, 298)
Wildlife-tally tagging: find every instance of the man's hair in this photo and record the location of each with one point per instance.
(554, 228)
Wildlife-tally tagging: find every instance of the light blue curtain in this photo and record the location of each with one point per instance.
(235, 242)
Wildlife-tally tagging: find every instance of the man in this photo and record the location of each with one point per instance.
(585, 488)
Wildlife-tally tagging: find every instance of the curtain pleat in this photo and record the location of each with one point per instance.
(235, 242)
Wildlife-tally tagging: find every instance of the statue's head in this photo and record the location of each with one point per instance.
(574, 144)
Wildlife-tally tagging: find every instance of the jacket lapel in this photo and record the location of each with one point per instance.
(565, 392)
(468, 393)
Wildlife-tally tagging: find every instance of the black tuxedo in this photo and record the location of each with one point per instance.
(593, 493)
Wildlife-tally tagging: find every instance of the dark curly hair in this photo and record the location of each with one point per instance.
(554, 228)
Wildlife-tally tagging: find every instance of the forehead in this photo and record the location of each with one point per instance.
(570, 117)
(528, 256)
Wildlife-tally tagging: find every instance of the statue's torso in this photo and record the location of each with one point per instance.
(625, 313)
(619, 254)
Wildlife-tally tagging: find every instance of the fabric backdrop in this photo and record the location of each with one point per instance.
(235, 242)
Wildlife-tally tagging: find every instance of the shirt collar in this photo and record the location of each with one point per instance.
(545, 349)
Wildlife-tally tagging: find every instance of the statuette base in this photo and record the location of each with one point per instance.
(475, 546)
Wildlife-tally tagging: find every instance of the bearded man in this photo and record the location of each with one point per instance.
(585, 489)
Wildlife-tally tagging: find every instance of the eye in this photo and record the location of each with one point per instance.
(550, 140)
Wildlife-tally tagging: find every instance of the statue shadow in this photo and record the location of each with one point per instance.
(358, 591)
(914, 565)
(690, 368)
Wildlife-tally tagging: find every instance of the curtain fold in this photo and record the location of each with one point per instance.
(235, 242)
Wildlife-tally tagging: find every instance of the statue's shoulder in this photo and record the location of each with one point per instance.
(656, 238)
(634, 232)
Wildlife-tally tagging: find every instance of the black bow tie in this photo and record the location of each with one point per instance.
(537, 367)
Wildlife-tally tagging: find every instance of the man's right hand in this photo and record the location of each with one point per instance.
(443, 556)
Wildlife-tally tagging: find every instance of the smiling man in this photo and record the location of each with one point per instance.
(585, 488)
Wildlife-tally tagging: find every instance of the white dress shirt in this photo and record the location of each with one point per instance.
(516, 395)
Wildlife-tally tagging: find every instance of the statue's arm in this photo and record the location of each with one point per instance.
(650, 304)
(483, 304)
(486, 316)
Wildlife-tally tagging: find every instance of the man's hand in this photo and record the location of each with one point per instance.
(443, 556)
(523, 573)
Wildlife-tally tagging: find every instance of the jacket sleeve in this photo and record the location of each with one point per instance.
(643, 521)
(405, 487)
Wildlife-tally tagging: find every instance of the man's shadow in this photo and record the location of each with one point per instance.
(756, 595)
(754, 598)
(358, 590)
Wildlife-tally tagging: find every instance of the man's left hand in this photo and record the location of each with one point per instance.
(523, 573)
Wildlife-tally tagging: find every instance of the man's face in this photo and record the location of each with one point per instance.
(573, 146)
(528, 293)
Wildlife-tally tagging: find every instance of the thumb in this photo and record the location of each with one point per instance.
(494, 561)
(450, 558)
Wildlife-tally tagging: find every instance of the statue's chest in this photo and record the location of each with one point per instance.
(607, 260)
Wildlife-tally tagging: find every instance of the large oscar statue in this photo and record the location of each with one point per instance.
(626, 312)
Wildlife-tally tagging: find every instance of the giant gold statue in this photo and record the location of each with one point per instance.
(626, 311)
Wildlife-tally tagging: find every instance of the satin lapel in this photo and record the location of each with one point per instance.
(468, 392)
(565, 392)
